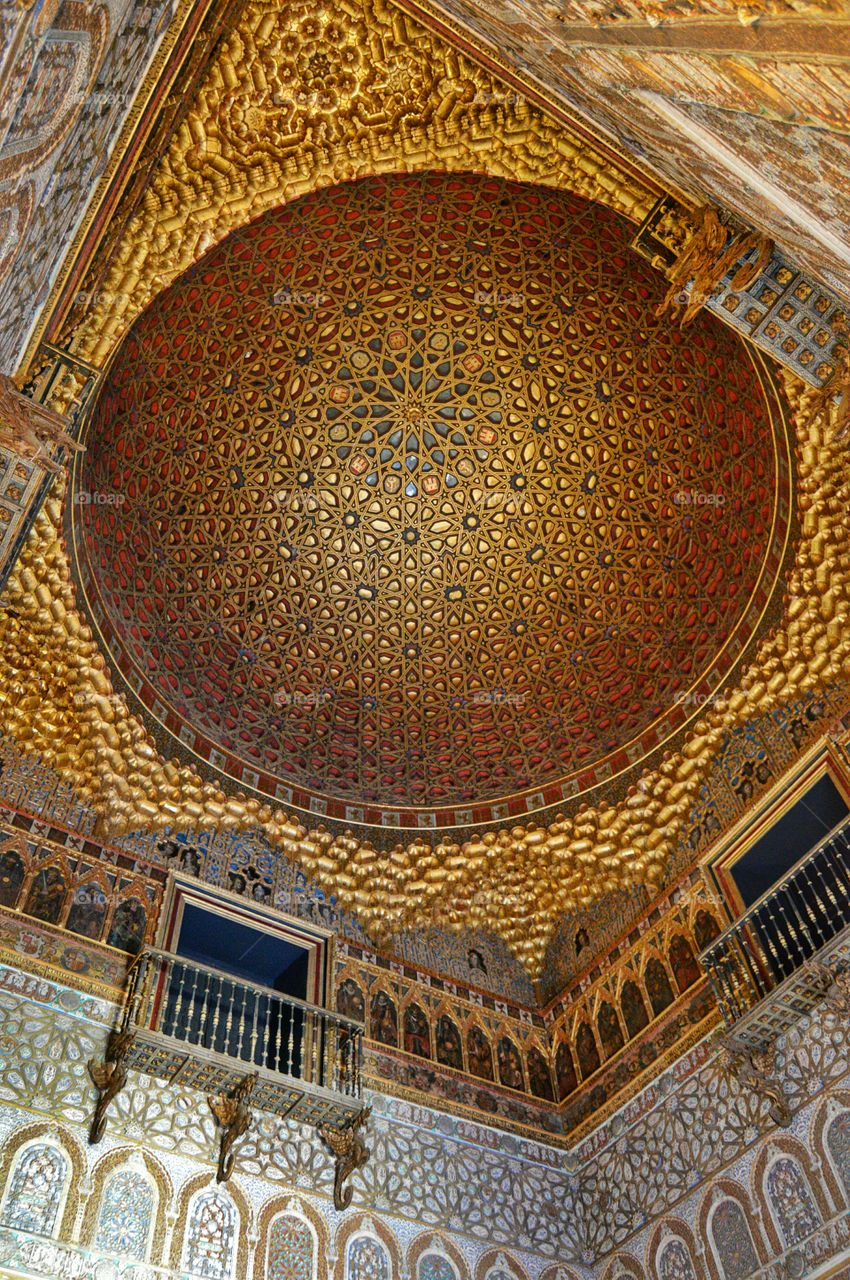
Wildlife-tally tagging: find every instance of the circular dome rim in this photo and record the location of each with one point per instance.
(494, 811)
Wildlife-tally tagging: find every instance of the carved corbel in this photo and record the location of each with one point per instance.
(350, 1152)
(233, 1114)
(30, 429)
(707, 257)
(109, 1078)
(756, 1071)
(835, 984)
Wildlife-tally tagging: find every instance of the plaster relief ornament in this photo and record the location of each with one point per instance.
(31, 430)
(349, 1151)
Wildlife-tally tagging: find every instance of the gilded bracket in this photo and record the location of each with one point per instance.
(109, 1078)
(756, 1071)
(350, 1152)
(233, 1114)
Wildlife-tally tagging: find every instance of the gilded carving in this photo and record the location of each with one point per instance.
(31, 430)
(232, 1112)
(109, 1078)
(350, 1153)
(293, 103)
(707, 257)
(756, 1071)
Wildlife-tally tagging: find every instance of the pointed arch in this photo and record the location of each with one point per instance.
(211, 1229)
(365, 1245)
(432, 1257)
(831, 1140)
(499, 1264)
(14, 869)
(624, 1267)
(727, 1221)
(291, 1235)
(37, 1188)
(47, 890)
(416, 1030)
(51, 1136)
(136, 1161)
(479, 1052)
(673, 1253)
(448, 1041)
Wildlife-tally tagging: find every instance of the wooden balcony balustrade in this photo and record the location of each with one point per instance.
(248, 1047)
(776, 962)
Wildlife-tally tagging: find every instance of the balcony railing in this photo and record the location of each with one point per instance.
(202, 1027)
(760, 968)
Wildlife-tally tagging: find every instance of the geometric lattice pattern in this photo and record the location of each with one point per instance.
(434, 1266)
(367, 1259)
(291, 1250)
(211, 1237)
(126, 1215)
(403, 496)
(35, 1190)
(791, 1201)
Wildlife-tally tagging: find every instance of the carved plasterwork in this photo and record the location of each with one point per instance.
(301, 97)
(689, 1135)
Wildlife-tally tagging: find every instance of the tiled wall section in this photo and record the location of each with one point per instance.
(688, 1181)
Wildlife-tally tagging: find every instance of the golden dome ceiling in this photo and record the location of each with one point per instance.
(403, 506)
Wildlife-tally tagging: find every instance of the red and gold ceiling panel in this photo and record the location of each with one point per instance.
(402, 506)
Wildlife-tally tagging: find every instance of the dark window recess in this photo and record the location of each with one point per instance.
(789, 839)
(810, 907)
(226, 1016)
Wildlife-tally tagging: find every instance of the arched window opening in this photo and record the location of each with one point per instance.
(36, 1189)
(210, 1248)
(292, 1249)
(791, 1200)
(838, 1146)
(126, 1214)
(733, 1243)
(674, 1261)
(367, 1259)
(435, 1266)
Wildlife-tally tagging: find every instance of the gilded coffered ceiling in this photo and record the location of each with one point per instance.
(296, 100)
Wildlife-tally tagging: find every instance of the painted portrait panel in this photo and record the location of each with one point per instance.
(479, 1054)
(657, 986)
(510, 1064)
(383, 1019)
(586, 1051)
(449, 1045)
(633, 1008)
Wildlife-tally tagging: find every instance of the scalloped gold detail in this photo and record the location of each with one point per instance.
(301, 97)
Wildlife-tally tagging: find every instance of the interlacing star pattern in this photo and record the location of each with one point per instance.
(421, 506)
